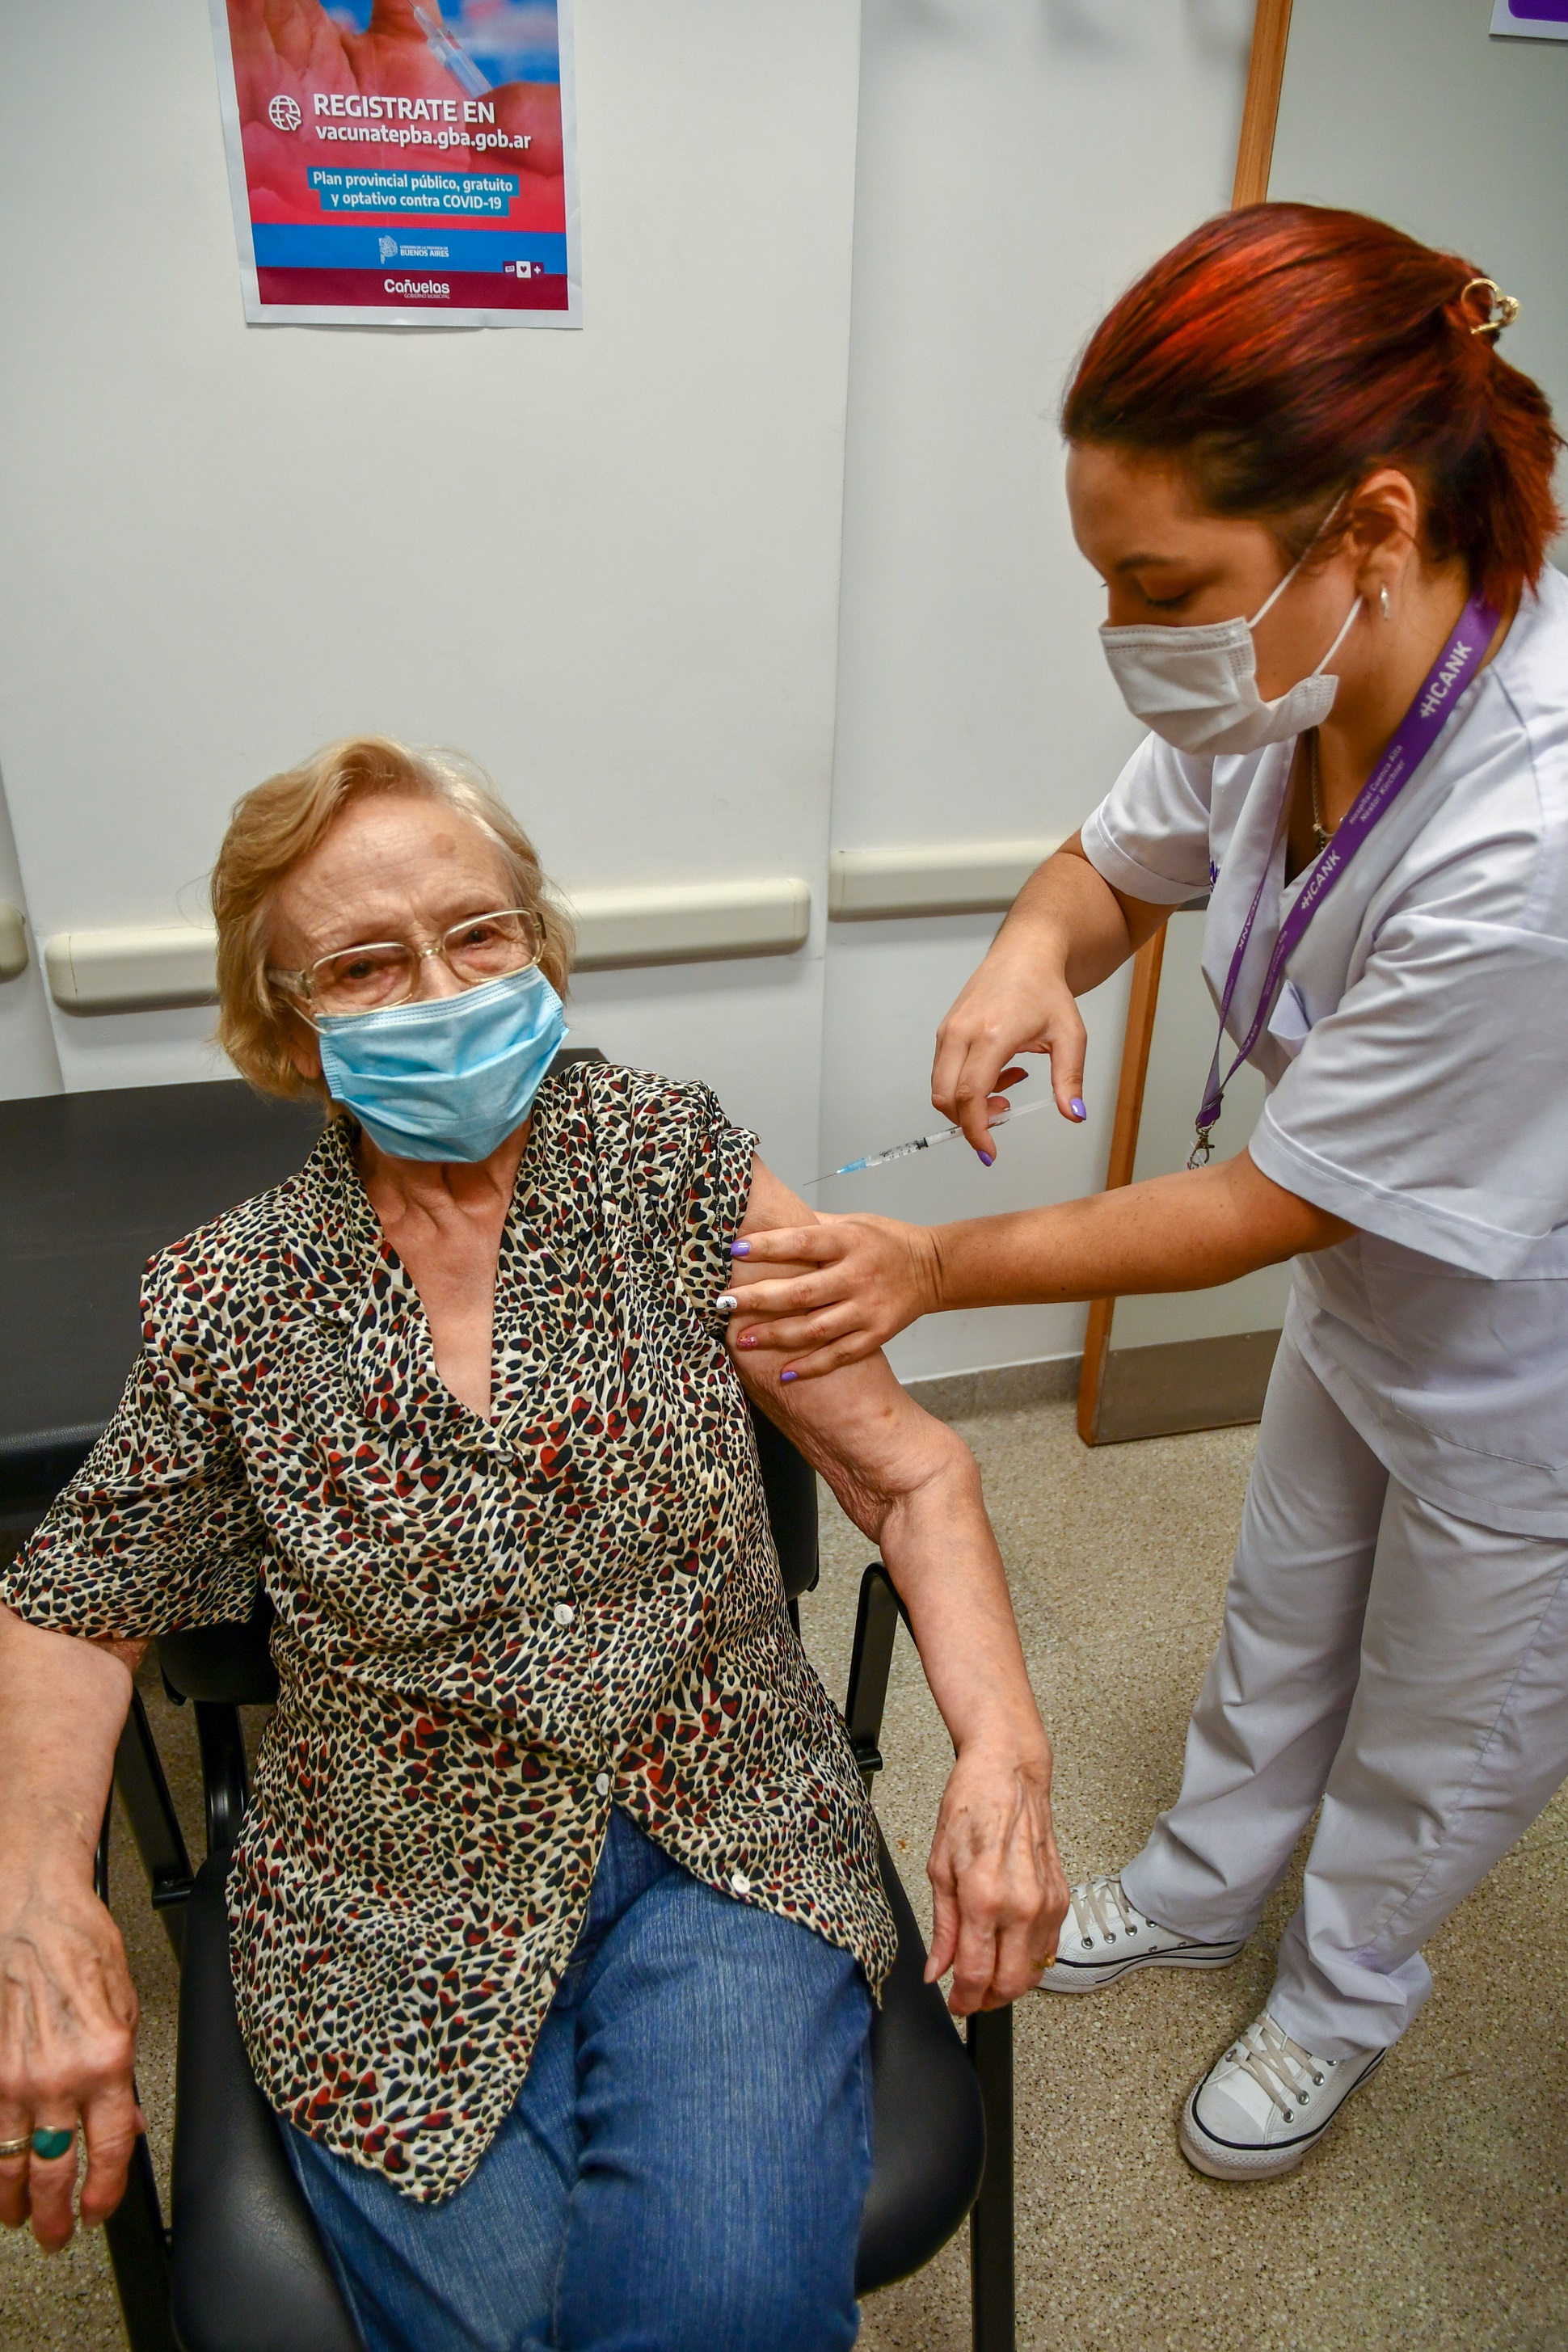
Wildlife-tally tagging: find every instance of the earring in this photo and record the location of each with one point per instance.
(1386, 608)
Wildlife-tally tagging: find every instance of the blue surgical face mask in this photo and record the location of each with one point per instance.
(445, 1077)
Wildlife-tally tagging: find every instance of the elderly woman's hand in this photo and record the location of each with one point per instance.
(68, 2042)
(999, 1890)
(67, 2007)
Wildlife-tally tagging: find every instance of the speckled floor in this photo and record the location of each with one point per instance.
(1434, 2216)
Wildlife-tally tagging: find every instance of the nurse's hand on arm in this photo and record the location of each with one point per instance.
(871, 1277)
(67, 2007)
(1068, 930)
(912, 1488)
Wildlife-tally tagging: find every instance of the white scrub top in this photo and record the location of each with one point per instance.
(1417, 1066)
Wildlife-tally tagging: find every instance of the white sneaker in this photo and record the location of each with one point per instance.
(1104, 1936)
(1261, 2106)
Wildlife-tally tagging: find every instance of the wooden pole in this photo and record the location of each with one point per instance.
(1255, 153)
(1264, 74)
(1141, 1007)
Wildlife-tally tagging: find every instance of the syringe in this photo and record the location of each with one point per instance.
(921, 1143)
(452, 55)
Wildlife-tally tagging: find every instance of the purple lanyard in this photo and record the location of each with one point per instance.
(1411, 741)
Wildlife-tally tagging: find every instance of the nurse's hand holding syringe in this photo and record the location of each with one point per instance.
(872, 1276)
(1067, 931)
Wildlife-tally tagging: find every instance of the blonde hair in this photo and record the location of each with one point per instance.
(278, 822)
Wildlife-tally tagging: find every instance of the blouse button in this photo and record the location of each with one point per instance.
(602, 1784)
(739, 1881)
(564, 1612)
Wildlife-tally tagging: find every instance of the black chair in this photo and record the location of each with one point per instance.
(243, 2269)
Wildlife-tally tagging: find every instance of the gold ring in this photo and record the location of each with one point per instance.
(22, 2146)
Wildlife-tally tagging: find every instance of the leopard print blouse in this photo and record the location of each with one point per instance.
(488, 1632)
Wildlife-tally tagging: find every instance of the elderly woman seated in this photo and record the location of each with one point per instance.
(556, 1922)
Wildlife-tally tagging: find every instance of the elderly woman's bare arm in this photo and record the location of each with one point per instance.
(913, 1488)
(67, 2007)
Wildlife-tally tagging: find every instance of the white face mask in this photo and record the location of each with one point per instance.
(1198, 687)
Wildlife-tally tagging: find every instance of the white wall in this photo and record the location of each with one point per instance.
(1459, 139)
(1020, 162)
(607, 563)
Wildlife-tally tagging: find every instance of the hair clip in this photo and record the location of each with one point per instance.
(1502, 309)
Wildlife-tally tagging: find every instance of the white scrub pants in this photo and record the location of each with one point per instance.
(1408, 1668)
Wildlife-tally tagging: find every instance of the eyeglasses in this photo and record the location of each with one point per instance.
(384, 973)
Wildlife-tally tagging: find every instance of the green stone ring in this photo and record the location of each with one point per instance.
(51, 2144)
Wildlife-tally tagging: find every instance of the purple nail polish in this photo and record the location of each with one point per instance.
(1077, 1107)
(987, 1160)
(785, 1379)
(740, 1249)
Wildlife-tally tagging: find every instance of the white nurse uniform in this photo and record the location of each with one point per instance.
(1396, 1641)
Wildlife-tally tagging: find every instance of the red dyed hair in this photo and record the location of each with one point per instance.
(1282, 353)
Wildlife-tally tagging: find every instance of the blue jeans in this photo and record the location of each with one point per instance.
(684, 2168)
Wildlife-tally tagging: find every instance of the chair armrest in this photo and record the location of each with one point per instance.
(250, 2274)
(875, 1626)
(789, 1488)
(228, 1663)
(929, 2128)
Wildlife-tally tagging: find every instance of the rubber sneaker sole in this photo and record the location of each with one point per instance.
(1082, 1975)
(1223, 2160)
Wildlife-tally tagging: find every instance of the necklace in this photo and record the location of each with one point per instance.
(1320, 830)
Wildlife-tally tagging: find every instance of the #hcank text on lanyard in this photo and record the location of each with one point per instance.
(1408, 747)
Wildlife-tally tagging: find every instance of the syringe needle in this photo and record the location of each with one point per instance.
(919, 1143)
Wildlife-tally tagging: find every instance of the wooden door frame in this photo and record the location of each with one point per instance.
(1255, 153)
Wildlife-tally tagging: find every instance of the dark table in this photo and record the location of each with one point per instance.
(91, 1185)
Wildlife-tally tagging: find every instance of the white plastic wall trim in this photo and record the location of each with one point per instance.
(12, 941)
(688, 922)
(130, 969)
(950, 878)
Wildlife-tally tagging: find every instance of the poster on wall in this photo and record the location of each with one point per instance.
(1532, 20)
(402, 163)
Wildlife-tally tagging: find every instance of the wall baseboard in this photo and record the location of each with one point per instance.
(1184, 1385)
(1164, 1391)
(999, 1388)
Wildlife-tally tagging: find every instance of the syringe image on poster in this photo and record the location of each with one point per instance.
(402, 161)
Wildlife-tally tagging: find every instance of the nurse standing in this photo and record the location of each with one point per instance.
(1321, 502)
